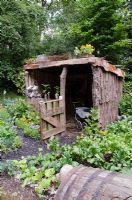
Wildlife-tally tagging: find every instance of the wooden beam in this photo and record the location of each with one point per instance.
(51, 120)
(48, 113)
(54, 131)
(63, 90)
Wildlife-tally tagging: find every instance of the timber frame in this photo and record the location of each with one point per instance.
(104, 89)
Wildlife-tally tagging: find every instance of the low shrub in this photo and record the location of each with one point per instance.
(29, 129)
(110, 149)
(7, 167)
(23, 115)
(126, 101)
(4, 115)
(8, 138)
(16, 108)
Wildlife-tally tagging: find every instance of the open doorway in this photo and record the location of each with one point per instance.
(78, 89)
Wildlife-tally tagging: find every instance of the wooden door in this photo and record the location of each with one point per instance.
(52, 118)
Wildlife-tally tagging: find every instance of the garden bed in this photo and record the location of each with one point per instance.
(30, 146)
(35, 163)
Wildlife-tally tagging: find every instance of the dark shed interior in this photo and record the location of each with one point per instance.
(78, 88)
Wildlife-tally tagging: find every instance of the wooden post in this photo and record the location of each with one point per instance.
(26, 83)
(63, 90)
(26, 79)
(30, 78)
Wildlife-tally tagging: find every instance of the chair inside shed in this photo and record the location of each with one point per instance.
(78, 89)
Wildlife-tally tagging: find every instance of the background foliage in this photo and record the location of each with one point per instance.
(32, 27)
(103, 23)
(21, 24)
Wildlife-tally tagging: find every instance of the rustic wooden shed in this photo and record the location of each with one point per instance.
(90, 80)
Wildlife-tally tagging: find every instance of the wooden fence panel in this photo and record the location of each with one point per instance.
(52, 118)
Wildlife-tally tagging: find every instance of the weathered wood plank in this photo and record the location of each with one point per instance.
(55, 131)
(48, 113)
(51, 120)
(49, 107)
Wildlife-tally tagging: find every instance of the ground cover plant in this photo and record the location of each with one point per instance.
(39, 171)
(15, 114)
(126, 101)
(9, 140)
(109, 149)
(23, 116)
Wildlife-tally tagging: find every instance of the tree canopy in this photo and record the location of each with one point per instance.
(21, 23)
(31, 27)
(103, 23)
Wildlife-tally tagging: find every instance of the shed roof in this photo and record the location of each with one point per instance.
(94, 61)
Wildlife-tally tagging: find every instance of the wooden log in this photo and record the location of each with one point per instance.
(87, 183)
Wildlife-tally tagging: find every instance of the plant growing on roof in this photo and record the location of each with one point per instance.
(87, 49)
(46, 91)
(57, 91)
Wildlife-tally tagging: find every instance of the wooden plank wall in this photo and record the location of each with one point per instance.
(107, 91)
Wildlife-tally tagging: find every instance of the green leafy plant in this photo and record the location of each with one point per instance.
(110, 149)
(23, 115)
(40, 170)
(126, 101)
(4, 115)
(16, 108)
(29, 129)
(32, 132)
(7, 167)
(46, 88)
(8, 138)
(92, 126)
(19, 81)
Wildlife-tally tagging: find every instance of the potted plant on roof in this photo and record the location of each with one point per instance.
(84, 50)
(46, 91)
